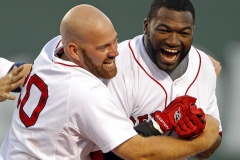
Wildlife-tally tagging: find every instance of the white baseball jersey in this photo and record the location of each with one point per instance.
(63, 110)
(5, 66)
(142, 88)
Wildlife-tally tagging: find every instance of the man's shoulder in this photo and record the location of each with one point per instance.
(200, 58)
(196, 52)
(134, 41)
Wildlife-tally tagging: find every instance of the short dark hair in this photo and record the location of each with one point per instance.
(176, 5)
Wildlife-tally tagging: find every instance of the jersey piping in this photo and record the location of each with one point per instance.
(166, 95)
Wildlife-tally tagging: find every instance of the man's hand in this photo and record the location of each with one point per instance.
(176, 111)
(217, 65)
(190, 126)
(9, 82)
(189, 121)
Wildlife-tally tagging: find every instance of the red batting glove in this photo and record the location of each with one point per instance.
(179, 108)
(162, 122)
(176, 110)
(192, 125)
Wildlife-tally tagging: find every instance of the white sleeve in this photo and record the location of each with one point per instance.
(99, 119)
(212, 108)
(123, 86)
(5, 66)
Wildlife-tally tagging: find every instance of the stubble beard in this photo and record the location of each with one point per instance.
(98, 71)
(154, 53)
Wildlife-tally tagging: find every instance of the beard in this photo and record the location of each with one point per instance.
(98, 71)
(153, 53)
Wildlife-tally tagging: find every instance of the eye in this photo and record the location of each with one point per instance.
(185, 33)
(103, 47)
(163, 30)
(116, 41)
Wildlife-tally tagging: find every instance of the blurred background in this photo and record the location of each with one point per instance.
(27, 25)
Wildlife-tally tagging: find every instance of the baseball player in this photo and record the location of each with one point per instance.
(11, 77)
(64, 108)
(162, 64)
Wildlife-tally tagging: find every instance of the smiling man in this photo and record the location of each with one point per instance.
(168, 37)
(160, 65)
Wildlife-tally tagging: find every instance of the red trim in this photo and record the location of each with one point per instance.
(60, 51)
(200, 61)
(148, 74)
(67, 64)
(199, 67)
(58, 43)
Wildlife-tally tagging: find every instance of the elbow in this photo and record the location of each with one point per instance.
(208, 153)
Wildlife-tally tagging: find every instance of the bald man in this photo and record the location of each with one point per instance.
(65, 109)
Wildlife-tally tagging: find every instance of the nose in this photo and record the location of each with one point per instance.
(173, 39)
(113, 52)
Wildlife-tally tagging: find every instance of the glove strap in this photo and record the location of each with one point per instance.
(147, 129)
(156, 126)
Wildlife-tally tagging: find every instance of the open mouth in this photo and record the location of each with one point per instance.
(109, 64)
(169, 55)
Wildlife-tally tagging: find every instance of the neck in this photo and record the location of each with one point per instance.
(64, 57)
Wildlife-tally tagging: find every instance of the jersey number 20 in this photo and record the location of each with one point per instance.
(43, 88)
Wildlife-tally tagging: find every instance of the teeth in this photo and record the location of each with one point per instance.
(172, 58)
(171, 50)
(108, 63)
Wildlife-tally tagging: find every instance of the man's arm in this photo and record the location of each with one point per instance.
(14, 79)
(26, 69)
(160, 147)
(209, 152)
(206, 154)
(9, 82)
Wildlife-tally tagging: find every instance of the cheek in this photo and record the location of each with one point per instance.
(187, 43)
(98, 59)
(156, 40)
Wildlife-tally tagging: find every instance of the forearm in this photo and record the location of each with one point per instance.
(160, 148)
(166, 147)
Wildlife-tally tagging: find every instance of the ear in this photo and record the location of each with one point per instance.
(145, 26)
(73, 50)
(193, 30)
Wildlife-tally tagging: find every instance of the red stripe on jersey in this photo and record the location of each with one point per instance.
(148, 74)
(200, 62)
(60, 52)
(58, 44)
(67, 64)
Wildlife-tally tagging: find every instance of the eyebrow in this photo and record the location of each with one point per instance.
(164, 25)
(105, 45)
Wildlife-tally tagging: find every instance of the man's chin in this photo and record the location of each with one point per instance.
(167, 68)
(109, 74)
